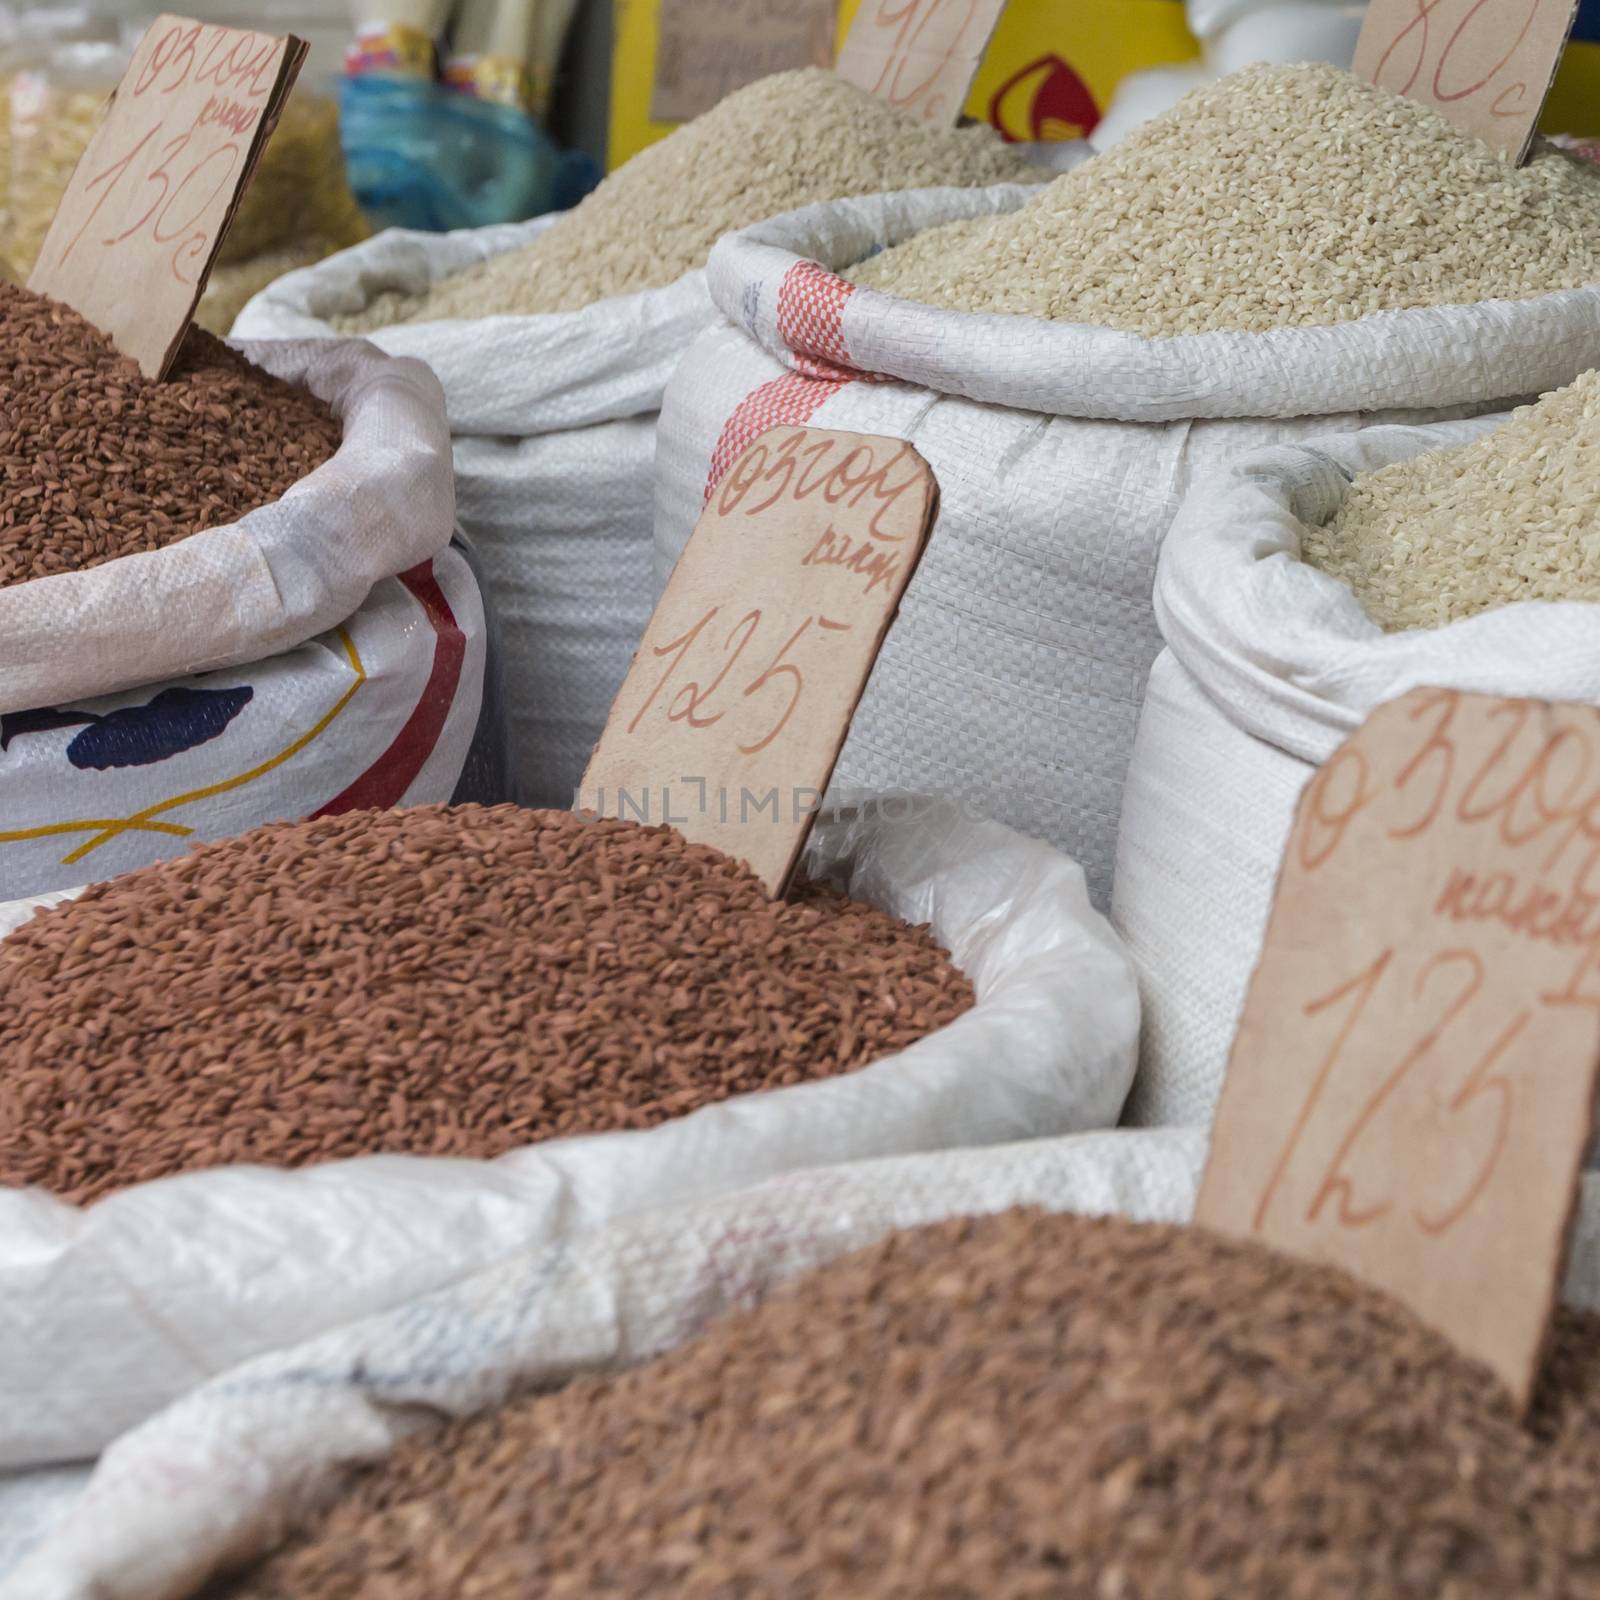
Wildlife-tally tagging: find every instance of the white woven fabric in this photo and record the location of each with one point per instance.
(262, 585)
(553, 419)
(1272, 664)
(379, 710)
(222, 1472)
(221, 1475)
(1014, 671)
(108, 1313)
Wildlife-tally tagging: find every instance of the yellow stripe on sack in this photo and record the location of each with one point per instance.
(141, 819)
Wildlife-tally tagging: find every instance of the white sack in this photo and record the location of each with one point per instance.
(553, 421)
(262, 585)
(380, 710)
(1271, 665)
(227, 1468)
(1014, 671)
(223, 1473)
(108, 1313)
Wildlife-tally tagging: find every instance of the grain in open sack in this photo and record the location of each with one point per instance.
(1447, 534)
(1025, 1405)
(1280, 196)
(443, 980)
(780, 143)
(98, 462)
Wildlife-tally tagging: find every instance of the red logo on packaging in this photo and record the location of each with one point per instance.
(1045, 100)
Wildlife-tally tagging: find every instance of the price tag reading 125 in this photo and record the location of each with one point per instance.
(733, 713)
(1412, 1086)
(152, 196)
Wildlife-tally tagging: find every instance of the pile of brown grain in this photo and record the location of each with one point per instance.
(1020, 1407)
(446, 980)
(97, 462)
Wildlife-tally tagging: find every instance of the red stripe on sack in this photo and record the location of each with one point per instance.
(388, 778)
(785, 402)
(811, 302)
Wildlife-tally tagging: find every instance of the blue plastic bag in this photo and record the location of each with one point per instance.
(418, 156)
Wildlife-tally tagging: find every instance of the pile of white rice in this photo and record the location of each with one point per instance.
(1512, 516)
(1277, 197)
(786, 141)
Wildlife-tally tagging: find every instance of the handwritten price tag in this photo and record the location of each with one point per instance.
(920, 55)
(151, 199)
(1487, 65)
(733, 713)
(1412, 1085)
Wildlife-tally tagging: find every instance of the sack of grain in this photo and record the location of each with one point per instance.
(110, 1310)
(228, 1471)
(553, 340)
(1272, 663)
(1026, 347)
(224, 599)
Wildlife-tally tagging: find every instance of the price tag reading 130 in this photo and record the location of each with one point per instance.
(1412, 1086)
(152, 196)
(733, 713)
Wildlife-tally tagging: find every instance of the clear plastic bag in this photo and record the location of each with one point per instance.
(420, 156)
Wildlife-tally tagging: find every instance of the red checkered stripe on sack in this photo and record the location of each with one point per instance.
(1589, 149)
(786, 402)
(811, 302)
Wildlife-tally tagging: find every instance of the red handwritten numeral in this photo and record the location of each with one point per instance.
(1481, 1082)
(1361, 986)
(115, 174)
(782, 668)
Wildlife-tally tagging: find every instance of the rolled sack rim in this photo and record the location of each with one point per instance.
(1427, 358)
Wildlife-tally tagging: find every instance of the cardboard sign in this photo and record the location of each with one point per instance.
(1487, 65)
(1412, 1086)
(733, 713)
(152, 196)
(920, 55)
(709, 48)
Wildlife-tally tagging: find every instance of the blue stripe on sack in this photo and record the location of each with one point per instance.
(1588, 24)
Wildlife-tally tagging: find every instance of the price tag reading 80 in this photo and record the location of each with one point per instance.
(1412, 1085)
(1487, 65)
(148, 205)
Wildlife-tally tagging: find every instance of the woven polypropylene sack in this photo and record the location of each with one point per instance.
(553, 423)
(222, 1474)
(282, 574)
(228, 1467)
(109, 1312)
(1014, 671)
(1271, 665)
(382, 709)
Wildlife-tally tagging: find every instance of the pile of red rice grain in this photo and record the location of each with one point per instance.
(98, 462)
(1011, 1408)
(444, 980)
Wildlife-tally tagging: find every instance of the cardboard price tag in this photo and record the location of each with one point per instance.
(709, 48)
(148, 206)
(920, 55)
(1487, 65)
(733, 713)
(1412, 1086)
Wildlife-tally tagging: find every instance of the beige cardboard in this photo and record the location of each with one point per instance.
(1487, 67)
(152, 196)
(920, 55)
(733, 713)
(708, 48)
(1412, 1086)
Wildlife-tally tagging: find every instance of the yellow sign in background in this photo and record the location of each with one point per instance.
(1049, 62)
